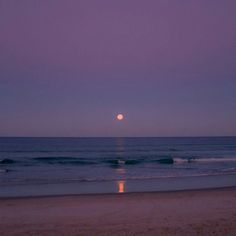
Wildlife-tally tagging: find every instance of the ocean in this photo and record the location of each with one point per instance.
(59, 166)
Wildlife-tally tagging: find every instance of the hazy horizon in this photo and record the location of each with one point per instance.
(118, 137)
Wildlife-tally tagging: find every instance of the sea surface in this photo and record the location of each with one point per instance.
(51, 166)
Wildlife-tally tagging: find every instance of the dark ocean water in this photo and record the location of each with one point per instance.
(38, 163)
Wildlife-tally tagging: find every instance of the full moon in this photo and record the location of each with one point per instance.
(120, 117)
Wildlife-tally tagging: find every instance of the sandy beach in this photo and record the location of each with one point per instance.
(200, 212)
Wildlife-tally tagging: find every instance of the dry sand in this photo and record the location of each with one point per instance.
(201, 212)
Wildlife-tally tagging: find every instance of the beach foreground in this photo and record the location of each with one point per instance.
(200, 212)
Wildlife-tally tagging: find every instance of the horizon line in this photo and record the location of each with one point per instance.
(197, 136)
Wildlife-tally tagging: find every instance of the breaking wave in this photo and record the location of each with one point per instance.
(64, 160)
(7, 161)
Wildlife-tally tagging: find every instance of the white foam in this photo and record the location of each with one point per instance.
(188, 160)
(215, 160)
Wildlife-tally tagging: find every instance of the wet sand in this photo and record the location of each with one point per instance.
(200, 212)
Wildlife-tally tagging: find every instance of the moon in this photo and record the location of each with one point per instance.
(120, 117)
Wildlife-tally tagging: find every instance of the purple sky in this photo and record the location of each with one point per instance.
(68, 67)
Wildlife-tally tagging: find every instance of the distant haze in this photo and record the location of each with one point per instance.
(67, 68)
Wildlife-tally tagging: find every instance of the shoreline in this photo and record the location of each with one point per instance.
(186, 212)
(226, 188)
(120, 186)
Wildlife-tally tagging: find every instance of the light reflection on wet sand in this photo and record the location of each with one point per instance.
(121, 186)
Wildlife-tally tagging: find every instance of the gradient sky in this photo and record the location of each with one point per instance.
(68, 67)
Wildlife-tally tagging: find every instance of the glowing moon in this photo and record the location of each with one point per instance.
(120, 117)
